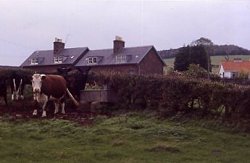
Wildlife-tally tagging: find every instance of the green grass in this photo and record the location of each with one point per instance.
(215, 60)
(128, 138)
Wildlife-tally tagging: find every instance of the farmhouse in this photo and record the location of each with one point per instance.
(142, 60)
(234, 68)
(47, 61)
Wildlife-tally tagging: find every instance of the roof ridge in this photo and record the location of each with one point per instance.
(63, 49)
(124, 48)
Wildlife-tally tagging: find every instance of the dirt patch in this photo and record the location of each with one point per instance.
(23, 110)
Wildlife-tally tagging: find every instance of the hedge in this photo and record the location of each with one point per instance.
(171, 95)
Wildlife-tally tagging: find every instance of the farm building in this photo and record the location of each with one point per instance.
(47, 61)
(234, 68)
(133, 60)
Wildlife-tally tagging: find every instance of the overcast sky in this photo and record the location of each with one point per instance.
(30, 25)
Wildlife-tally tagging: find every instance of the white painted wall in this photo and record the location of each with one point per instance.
(224, 74)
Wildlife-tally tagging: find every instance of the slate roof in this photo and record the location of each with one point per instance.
(107, 57)
(236, 66)
(46, 57)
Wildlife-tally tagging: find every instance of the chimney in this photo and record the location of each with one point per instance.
(58, 46)
(119, 44)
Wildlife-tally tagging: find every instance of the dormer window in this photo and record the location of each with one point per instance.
(58, 60)
(92, 60)
(34, 61)
(120, 59)
(123, 58)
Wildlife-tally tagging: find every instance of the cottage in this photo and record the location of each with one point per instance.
(142, 60)
(47, 61)
(234, 68)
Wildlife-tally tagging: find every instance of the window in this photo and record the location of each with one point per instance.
(92, 60)
(34, 61)
(121, 59)
(58, 59)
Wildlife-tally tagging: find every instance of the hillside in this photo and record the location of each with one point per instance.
(218, 50)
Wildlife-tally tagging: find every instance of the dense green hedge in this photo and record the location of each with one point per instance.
(171, 95)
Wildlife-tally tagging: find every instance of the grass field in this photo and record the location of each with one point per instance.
(215, 60)
(127, 138)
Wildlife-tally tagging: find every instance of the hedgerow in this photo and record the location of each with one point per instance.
(171, 95)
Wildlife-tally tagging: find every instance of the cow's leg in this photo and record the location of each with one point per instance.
(44, 106)
(13, 96)
(63, 107)
(5, 99)
(56, 107)
(62, 102)
(21, 97)
(34, 112)
(21, 92)
(35, 97)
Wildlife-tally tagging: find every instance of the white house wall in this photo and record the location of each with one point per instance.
(224, 74)
(227, 75)
(221, 71)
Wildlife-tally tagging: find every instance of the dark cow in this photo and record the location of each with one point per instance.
(76, 79)
(3, 90)
(47, 87)
(17, 84)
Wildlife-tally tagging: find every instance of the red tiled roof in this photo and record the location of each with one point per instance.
(236, 66)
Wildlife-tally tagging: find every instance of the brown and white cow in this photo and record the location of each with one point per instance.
(47, 87)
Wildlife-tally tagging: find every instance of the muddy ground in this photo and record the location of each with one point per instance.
(23, 109)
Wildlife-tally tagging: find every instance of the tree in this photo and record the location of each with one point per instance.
(202, 41)
(181, 62)
(192, 55)
(198, 56)
(209, 48)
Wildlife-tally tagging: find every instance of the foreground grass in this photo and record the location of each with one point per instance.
(129, 138)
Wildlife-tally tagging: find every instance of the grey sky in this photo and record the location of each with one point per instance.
(29, 25)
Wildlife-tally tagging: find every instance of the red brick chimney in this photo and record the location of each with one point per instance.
(58, 46)
(119, 44)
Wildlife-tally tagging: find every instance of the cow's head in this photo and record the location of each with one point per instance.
(37, 82)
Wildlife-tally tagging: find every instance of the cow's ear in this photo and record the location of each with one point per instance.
(43, 76)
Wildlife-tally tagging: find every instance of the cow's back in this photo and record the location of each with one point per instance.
(54, 85)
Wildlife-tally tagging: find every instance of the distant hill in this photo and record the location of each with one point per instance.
(218, 50)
